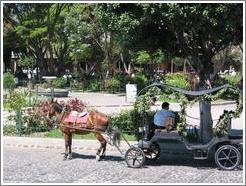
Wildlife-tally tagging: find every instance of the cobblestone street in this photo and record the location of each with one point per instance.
(25, 165)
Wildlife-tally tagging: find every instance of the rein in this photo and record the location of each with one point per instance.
(61, 115)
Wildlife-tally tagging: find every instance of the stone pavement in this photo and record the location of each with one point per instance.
(45, 166)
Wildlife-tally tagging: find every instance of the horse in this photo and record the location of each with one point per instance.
(83, 123)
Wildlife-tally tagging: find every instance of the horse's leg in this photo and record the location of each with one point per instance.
(103, 143)
(103, 147)
(70, 146)
(66, 138)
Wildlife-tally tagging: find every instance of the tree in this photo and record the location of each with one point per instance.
(205, 30)
(82, 47)
(103, 27)
(110, 34)
(196, 30)
(38, 25)
(11, 41)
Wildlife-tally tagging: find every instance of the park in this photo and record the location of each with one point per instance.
(88, 77)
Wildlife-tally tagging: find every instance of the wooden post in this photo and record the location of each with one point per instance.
(206, 122)
(171, 66)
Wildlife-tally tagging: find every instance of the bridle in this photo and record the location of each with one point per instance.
(61, 114)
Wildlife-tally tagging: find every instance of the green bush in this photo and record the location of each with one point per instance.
(124, 121)
(9, 81)
(77, 85)
(143, 57)
(94, 84)
(178, 80)
(15, 101)
(141, 80)
(128, 121)
(123, 79)
(112, 84)
(59, 82)
(44, 85)
(9, 130)
(233, 80)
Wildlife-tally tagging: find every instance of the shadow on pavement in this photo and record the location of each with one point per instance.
(199, 164)
(202, 164)
(106, 158)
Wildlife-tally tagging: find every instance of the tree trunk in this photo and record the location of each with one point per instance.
(171, 66)
(75, 66)
(205, 69)
(41, 64)
(184, 67)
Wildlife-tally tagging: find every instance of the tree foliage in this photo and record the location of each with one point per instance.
(113, 33)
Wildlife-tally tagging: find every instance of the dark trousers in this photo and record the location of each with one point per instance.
(159, 127)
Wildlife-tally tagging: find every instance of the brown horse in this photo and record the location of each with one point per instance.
(93, 121)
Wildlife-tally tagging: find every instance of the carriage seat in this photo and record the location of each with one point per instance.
(169, 125)
(163, 134)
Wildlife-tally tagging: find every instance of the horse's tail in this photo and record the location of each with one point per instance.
(116, 136)
(114, 133)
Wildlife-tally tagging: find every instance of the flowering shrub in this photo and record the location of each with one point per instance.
(38, 114)
(35, 119)
(75, 104)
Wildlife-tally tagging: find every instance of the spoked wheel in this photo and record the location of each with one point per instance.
(153, 153)
(227, 157)
(134, 157)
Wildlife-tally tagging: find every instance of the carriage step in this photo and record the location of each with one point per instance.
(200, 154)
(200, 158)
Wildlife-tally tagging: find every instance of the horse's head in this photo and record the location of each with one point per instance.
(54, 108)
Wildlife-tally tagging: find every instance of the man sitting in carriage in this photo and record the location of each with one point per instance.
(164, 118)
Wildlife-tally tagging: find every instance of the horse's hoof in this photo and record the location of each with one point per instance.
(102, 157)
(64, 158)
(70, 156)
(98, 158)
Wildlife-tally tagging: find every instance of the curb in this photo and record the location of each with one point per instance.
(26, 146)
(57, 143)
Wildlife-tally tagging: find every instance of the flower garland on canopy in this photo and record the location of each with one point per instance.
(144, 102)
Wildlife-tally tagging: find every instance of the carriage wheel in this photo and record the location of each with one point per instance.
(153, 153)
(134, 157)
(227, 157)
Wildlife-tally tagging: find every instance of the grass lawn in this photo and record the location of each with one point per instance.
(10, 130)
(56, 133)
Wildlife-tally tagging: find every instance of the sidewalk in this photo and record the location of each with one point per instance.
(57, 143)
(114, 100)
